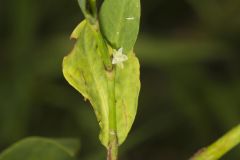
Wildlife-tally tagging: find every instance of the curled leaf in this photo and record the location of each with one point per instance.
(84, 70)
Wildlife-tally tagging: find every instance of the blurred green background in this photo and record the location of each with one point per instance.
(189, 52)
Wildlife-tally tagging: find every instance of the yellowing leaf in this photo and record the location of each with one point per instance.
(127, 87)
(84, 70)
(108, 91)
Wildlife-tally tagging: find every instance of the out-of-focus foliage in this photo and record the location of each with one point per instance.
(189, 51)
(36, 148)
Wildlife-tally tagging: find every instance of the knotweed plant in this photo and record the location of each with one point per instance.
(103, 67)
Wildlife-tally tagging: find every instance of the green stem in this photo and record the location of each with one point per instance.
(112, 152)
(104, 52)
(113, 141)
(89, 13)
(93, 6)
(220, 147)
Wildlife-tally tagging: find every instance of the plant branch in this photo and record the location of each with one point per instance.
(220, 147)
(112, 152)
(93, 6)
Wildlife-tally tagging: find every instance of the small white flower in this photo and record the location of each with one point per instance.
(119, 57)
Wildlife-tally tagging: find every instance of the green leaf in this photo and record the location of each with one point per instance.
(36, 148)
(72, 145)
(127, 87)
(84, 70)
(119, 21)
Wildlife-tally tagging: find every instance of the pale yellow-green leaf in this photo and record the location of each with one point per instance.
(127, 87)
(84, 70)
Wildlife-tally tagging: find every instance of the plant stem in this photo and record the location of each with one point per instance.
(220, 147)
(112, 152)
(104, 52)
(93, 6)
(113, 141)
